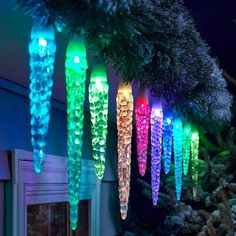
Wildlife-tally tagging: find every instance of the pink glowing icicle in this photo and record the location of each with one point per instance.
(142, 116)
(156, 148)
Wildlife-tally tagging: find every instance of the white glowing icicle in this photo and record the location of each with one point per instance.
(124, 109)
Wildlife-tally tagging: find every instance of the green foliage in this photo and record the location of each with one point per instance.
(154, 43)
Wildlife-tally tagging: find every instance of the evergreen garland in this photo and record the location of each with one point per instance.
(152, 42)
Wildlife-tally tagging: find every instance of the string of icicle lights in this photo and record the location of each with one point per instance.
(167, 132)
(160, 123)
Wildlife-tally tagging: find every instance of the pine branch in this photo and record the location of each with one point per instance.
(154, 43)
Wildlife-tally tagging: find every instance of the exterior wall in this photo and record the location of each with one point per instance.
(15, 134)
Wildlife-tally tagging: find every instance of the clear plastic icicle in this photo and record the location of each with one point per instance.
(167, 139)
(142, 117)
(194, 158)
(42, 50)
(156, 122)
(98, 98)
(124, 118)
(178, 145)
(186, 147)
(76, 66)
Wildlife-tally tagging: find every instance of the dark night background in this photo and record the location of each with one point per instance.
(214, 20)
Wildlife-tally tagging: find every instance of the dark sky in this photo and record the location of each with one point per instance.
(214, 20)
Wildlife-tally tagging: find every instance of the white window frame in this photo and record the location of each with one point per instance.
(50, 186)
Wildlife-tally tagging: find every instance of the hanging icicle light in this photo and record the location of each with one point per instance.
(156, 148)
(142, 115)
(42, 50)
(186, 147)
(194, 158)
(124, 109)
(98, 98)
(76, 66)
(178, 144)
(167, 139)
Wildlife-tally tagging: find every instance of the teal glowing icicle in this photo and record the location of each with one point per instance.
(167, 139)
(42, 49)
(76, 66)
(178, 144)
(194, 158)
(98, 98)
(186, 147)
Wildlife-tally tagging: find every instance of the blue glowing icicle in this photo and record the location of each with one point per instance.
(42, 50)
(186, 147)
(178, 145)
(167, 139)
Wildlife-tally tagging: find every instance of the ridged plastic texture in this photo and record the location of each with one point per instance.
(156, 122)
(76, 66)
(178, 145)
(124, 108)
(167, 140)
(186, 147)
(98, 98)
(194, 159)
(42, 50)
(142, 117)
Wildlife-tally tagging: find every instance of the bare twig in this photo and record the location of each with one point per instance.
(229, 78)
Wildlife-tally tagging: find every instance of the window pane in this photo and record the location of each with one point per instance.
(53, 219)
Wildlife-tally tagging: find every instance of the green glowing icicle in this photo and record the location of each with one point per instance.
(98, 98)
(186, 147)
(178, 144)
(76, 66)
(194, 159)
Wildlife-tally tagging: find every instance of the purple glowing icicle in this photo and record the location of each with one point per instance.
(156, 148)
